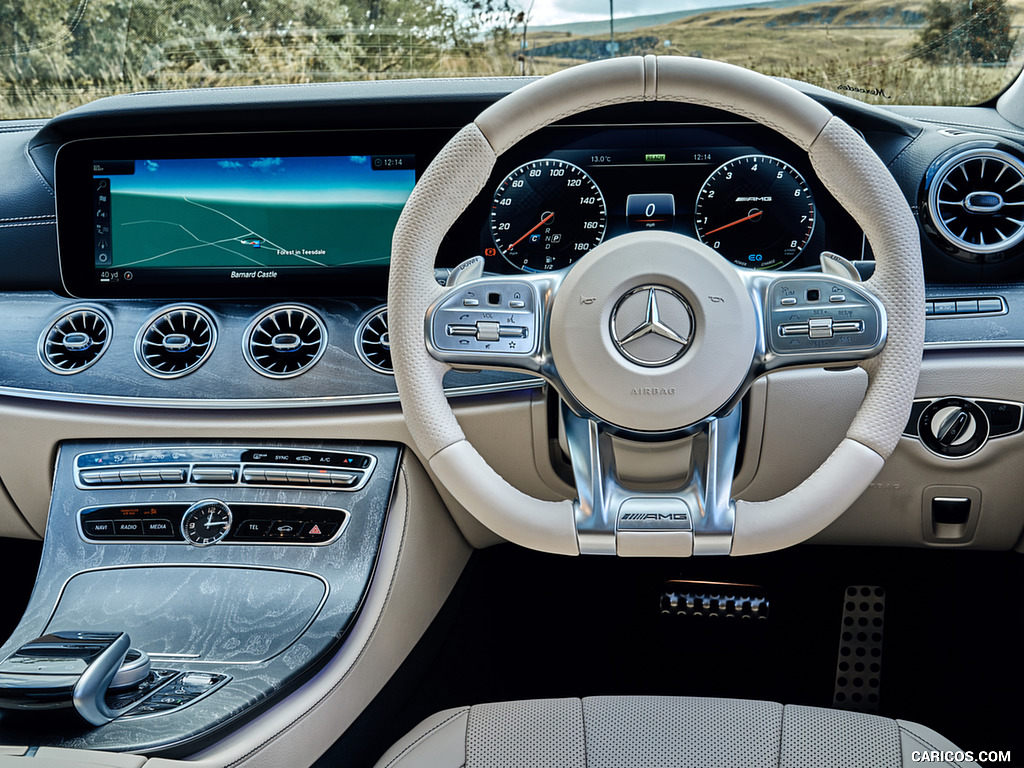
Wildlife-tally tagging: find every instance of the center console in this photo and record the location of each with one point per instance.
(234, 568)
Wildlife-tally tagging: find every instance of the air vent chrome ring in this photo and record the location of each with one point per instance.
(176, 341)
(975, 202)
(373, 344)
(74, 341)
(284, 341)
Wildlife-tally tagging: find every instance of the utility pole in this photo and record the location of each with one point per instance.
(611, 24)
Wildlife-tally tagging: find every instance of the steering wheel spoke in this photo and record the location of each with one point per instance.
(814, 319)
(695, 517)
(494, 322)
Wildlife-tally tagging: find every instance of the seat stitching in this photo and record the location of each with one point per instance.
(583, 718)
(416, 743)
(782, 731)
(923, 741)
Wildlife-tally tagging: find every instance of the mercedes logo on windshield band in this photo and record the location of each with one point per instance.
(652, 326)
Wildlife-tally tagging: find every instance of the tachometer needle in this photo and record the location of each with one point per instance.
(751, 217)
(539, 224)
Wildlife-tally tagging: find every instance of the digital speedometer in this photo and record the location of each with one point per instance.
(546, 214)
(757, 211)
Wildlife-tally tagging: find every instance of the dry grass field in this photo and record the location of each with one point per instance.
(865, 49)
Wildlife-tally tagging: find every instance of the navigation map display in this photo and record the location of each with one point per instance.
(245, 220)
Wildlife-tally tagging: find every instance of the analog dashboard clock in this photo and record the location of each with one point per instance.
(206, 522)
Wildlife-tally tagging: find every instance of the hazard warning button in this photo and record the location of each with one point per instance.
(318, 531)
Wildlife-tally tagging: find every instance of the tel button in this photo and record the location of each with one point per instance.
(253, 529)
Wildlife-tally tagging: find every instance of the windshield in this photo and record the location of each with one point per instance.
(57, 54)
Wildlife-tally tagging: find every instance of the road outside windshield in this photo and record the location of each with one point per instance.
(57, 54)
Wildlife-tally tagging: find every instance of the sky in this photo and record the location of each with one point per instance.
(566, 11)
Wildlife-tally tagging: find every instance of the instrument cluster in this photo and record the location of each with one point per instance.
(737, 187)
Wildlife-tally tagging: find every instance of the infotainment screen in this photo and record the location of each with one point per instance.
(209, 226)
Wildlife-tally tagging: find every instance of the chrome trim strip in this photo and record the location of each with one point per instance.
(259, 403)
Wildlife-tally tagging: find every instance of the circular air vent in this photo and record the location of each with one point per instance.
(976, 203)
(74, 341)
(373, 343)
(176, 342)
(285, 341)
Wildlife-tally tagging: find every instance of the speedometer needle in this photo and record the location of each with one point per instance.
(751, 217)
(540, 224)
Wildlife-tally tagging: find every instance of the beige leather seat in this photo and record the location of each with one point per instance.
(664, 732)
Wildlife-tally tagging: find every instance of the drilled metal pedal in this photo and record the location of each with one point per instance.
(714, 600)
(859, 665)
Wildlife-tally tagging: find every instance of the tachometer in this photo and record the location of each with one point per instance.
(546, 214)
(757, 211)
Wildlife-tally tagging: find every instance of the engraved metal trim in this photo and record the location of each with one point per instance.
(76, 320)
(275, 323)
(624, 337)
(373, 343)
(242, 567)
(167, 315)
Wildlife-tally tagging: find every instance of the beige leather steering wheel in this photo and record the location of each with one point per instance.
(718, 329)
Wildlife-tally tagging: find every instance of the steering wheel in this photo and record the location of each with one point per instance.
(653, 336)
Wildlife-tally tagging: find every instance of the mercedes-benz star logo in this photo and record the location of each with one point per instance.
(652, 325)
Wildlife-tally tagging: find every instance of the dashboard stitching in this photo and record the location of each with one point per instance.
(35, 169)
(366, 645)
(569, 113)
(732, 109)
(48, 223)
(48, 216)
(986, 128)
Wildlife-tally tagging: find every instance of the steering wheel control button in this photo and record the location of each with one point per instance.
(819, 328)
(652, 326)
(504, 324)
(801, 321)
(953, 427)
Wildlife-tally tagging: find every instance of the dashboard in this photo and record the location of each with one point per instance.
(197, 284)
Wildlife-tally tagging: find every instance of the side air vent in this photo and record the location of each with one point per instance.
(74, 341)
(373, 343)
(975, 202)
(176, 342)
(285, 341)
